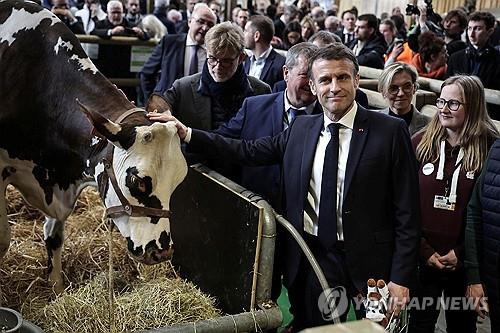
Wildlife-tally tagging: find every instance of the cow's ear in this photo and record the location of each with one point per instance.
(104, 126)
(157, 103)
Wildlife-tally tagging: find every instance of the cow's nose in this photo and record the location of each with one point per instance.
(157, 256)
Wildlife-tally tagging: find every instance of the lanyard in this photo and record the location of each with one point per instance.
(454, 179)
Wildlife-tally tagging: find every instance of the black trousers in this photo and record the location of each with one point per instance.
(432, 284)
(306, 305)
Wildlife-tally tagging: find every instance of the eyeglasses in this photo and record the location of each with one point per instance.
(213, 61)
(406, 88)
(453, 104)
(202, 22)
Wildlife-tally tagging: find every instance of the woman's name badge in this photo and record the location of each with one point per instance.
(428, 169)
(470, 175)
(441, 202)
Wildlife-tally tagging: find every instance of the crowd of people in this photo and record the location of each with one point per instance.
(392, 194)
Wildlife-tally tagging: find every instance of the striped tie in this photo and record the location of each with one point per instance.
(287, 119)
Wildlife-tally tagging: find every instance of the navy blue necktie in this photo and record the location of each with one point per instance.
(293, 113)
(327, 219)
(193, 63)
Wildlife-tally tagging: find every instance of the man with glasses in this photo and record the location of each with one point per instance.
(398, 84)
(211, 98)
(61, 9)
(178, 55)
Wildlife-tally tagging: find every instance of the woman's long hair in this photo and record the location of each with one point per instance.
(478, 129)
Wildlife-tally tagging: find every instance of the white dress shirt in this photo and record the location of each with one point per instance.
(257, 65)
(202, 55)
(314, 192)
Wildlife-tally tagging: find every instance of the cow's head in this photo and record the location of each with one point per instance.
(149, 165)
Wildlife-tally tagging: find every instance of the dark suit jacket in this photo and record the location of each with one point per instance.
(360, 98)
(273, 68)
(381, 199)
(168, 56)
(260, 116)
(372, 54)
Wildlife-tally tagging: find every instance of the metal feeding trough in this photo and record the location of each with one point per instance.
(12, 322)
(224, 238)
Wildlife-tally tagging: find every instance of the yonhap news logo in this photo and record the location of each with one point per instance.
(333, 303)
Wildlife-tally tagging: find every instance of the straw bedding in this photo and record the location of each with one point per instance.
(145, 296)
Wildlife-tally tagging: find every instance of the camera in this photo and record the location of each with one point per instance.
(413, 9)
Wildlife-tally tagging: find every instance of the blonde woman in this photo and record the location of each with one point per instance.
(153, 26)
(308, 27)
(451, 152)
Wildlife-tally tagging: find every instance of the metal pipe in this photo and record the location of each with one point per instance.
(256, 321)
(314, 264)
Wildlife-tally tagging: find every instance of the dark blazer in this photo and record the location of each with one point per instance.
(167, 57)
(273, 68)
(381, 199)
(418, 121)
(258, 117)
(360, 98)
(192, 107)
(372, 54)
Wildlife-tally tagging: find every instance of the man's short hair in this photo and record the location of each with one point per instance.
(488, 18)
(225, 36)
(114, 4)
(291, 10)
(325, 37)
(336, 51)
(371, 20)
(349, 11)
(264, 25)
(460, 15)
(201, 5)
(304, 49)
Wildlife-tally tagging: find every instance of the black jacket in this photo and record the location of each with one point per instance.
(372, 54)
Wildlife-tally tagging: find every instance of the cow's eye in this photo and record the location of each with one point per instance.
(147, 137)
(138, 183)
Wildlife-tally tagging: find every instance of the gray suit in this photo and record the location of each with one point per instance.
(194, 109)
(418, 121)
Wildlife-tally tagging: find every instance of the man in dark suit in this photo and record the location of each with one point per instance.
(369, 46)
(269, 115)
(349, 184)
(346, 33)
(180, 55)
(265, 63)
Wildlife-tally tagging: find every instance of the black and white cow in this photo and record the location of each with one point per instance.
(50, 151)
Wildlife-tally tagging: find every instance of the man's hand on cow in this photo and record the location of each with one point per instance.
(399, 297)
(164, 117)
(476, 292)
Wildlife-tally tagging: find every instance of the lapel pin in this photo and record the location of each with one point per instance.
(360, 129)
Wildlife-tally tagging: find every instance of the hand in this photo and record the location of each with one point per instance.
(396, 51)
(94, 9)
(450, 260)
(117, 30)
(476, 292)
(167, 116)
(138, 32)
(433, 261)
(422, 18)
(399, 296)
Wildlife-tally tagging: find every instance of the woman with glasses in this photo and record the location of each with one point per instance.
(398, 84)
(451, 152)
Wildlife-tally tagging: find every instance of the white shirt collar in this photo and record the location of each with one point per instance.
(308, 109)
(263, 56)
(347, 120)
(191, 42)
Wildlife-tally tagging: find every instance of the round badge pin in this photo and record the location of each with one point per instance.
(428, 169)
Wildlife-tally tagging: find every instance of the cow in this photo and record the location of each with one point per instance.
(64, 126)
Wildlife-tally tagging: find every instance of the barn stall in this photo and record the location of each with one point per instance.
(224, 245)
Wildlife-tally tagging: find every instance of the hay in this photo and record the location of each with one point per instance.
(146, 296)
